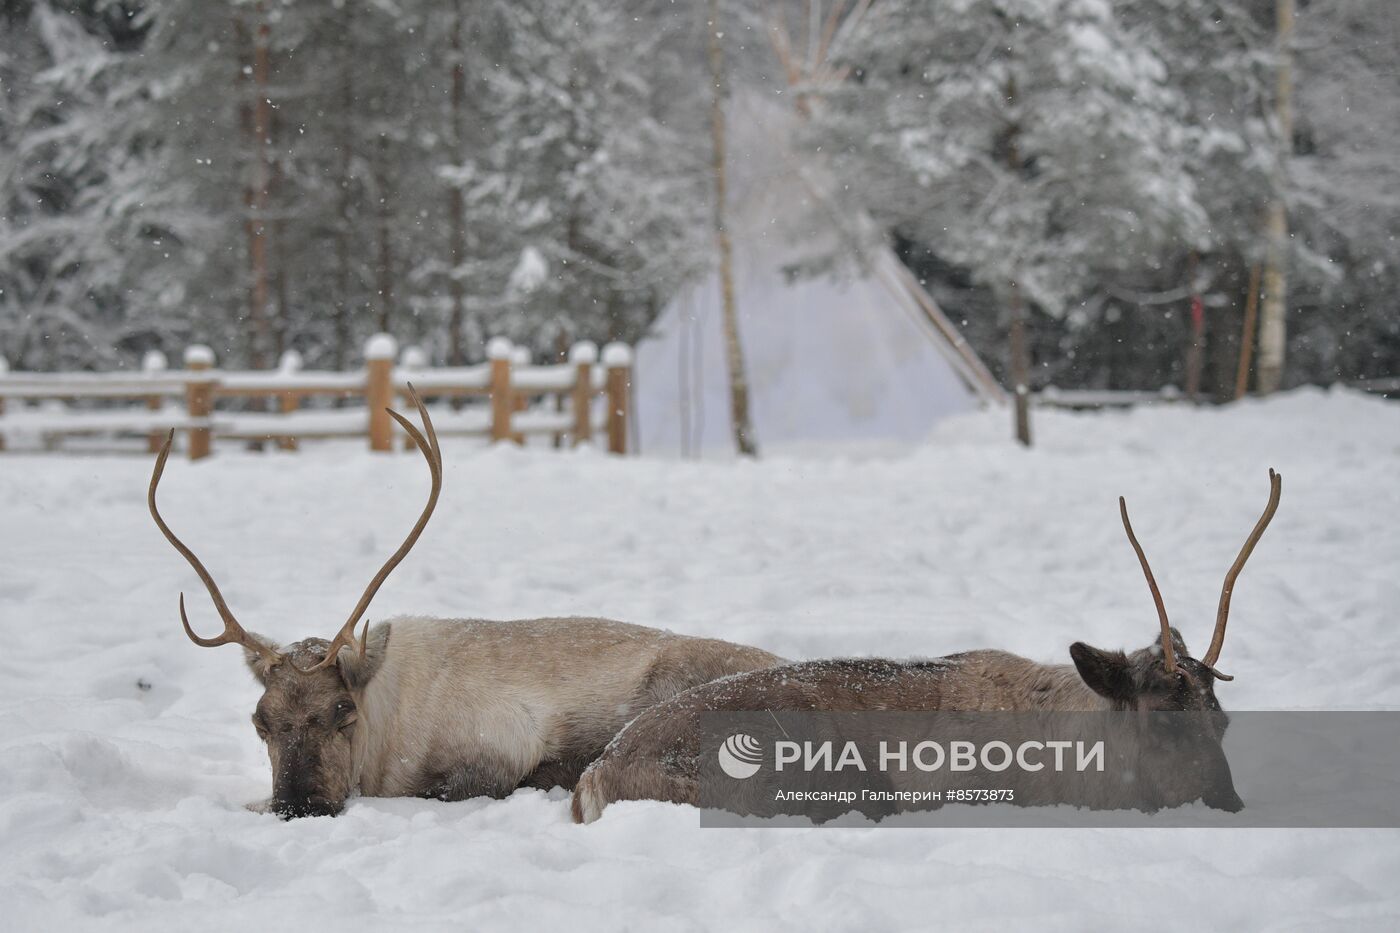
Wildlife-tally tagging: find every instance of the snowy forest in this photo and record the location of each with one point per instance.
(633, 383)
(1128, 179)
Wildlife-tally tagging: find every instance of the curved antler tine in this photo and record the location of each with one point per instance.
(202, 642)
(233, 632)
(427, 425)
(1222, 614)
(429, 447)
(1168, 652)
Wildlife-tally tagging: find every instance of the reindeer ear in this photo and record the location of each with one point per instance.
(258, 662)
(1106, 672)
(1179, 644)
(356, 671)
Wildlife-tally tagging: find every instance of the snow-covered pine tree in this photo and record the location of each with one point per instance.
(1343, 304)
(85, 233)
(586, 207)
(944, 100)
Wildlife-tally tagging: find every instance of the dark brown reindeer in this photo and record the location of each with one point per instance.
(658, 756)
(448, 708)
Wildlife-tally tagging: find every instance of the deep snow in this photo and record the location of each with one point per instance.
(126, 753)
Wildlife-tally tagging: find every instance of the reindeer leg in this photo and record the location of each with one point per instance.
(462, 780)
(558, 772)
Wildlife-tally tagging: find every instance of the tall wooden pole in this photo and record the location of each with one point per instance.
(1020, 354)
(342, 303)
(258, 194)
(744, 440)
(1251, 313)
(1195, 349)
(1273, 336)
(1020, 366)
(456, 247)
(385, 269)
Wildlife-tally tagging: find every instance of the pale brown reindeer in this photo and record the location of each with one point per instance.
(658, 755)
(449, 708)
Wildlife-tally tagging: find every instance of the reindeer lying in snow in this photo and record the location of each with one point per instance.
(658, 755)
(449, 708)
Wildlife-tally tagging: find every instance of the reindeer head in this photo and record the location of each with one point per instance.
(1163, 679)
(307, 715)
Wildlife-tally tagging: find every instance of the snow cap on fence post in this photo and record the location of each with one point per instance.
(617, 360)
(583, 355)
(154, 361)
(413, 358)
(498, 348)
(198, 356)
(288, 401)
(500, 351)
(381, 347)
(199, 399)
(585, 351)
(380, 351)
(617, 354)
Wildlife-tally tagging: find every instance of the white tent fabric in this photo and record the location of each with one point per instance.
(848, 355)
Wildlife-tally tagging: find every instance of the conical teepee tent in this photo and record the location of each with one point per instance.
(857, 353)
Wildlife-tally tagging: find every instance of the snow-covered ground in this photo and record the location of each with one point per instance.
(126, 754)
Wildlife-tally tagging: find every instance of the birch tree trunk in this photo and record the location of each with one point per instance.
(744, 440)
(1273, 336)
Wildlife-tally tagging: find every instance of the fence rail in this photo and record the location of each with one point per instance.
(523, 400)
(1089, 399)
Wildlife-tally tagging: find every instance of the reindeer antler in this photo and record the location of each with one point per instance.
(431, 452)
(1222, 614)
(233, 632)
(1168, 652)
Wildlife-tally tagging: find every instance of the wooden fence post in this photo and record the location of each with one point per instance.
(4, 369)
(380, 351)
(288, 401)
(412, 361)
(154, 362)
(583, 355)
(617, 359)
(519, 357)
(199, 398)
(498, 351)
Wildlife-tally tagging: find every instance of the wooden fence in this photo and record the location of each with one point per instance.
(522, 400)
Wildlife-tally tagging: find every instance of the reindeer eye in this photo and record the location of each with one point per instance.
(344, 714)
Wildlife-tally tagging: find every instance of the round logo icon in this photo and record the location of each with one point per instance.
(740, 756)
